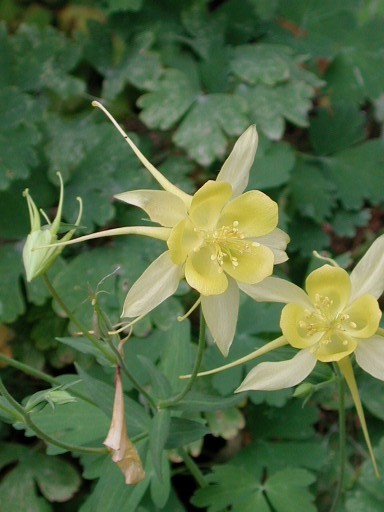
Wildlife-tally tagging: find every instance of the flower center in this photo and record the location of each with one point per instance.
(226, 244)
(323, 319)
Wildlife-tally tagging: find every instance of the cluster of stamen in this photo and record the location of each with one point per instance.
(322, 319)
(226, 244)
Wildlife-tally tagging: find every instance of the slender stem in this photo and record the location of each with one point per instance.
(100, 313)
(42, 435)
(342, 443)
(193, 468)
(95, 342)
(272, 345)
(133, 379)
(199, 357)
(29, 370)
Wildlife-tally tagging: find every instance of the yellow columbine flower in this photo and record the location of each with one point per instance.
(37, 262)
(339, 315)
(216, 239)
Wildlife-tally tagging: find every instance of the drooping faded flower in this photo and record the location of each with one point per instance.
(37, 262)
(123, 451)
(216, 239)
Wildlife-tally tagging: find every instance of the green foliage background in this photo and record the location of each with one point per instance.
(185, 79)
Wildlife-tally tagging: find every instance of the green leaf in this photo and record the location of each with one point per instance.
(346, 223)
(18, 492)
(158, 434)
(172, 97)
(184, 431)
(84, 346)
(79, 423)
(112, 493)
(357, 73)
(139, 66)
(371, 393)
(102, 393)
(202, 132)
(235, 487)
(357, 173)
(177, 355)
(369, 491)
(270, 106)
(265, 63)
(231, 485)
(316, 28)
(159, 382)
(312, 194)
(56, 479)
(11, 297)
(273, 165)
(287, 490)
(315, 237)
(160, 486)
(43, 60)
(196, 401)
(360, 501)
(289, 422)
(280, 453)
(336, 129)
(112, 6)
(206, 28)
(99, 150)
(123, 262)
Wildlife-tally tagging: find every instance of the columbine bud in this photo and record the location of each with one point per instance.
(304, 390)
(55, 396)
(37, 260)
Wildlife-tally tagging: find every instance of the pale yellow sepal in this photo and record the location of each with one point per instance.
(347, 370)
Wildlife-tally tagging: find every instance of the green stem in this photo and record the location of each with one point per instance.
(342, 443)
(42, 435)
(95, 342)
(193, 468)
(199, 357)
(99, 312)
(29, 370)
(37, 374)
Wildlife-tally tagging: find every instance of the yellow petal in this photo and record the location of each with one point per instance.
(220, 313)
(235, 169)
(274, 289)
(255, 212)
(208, 202)
(279, 375)
(158, 282)
(161, 206)
(277, 241)
(294, 324)
(364, 317)
(335, 347)
(182, 241)
(203, 274)
(368, 275)
(331, 282)
(252, 267)
(370, 356)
